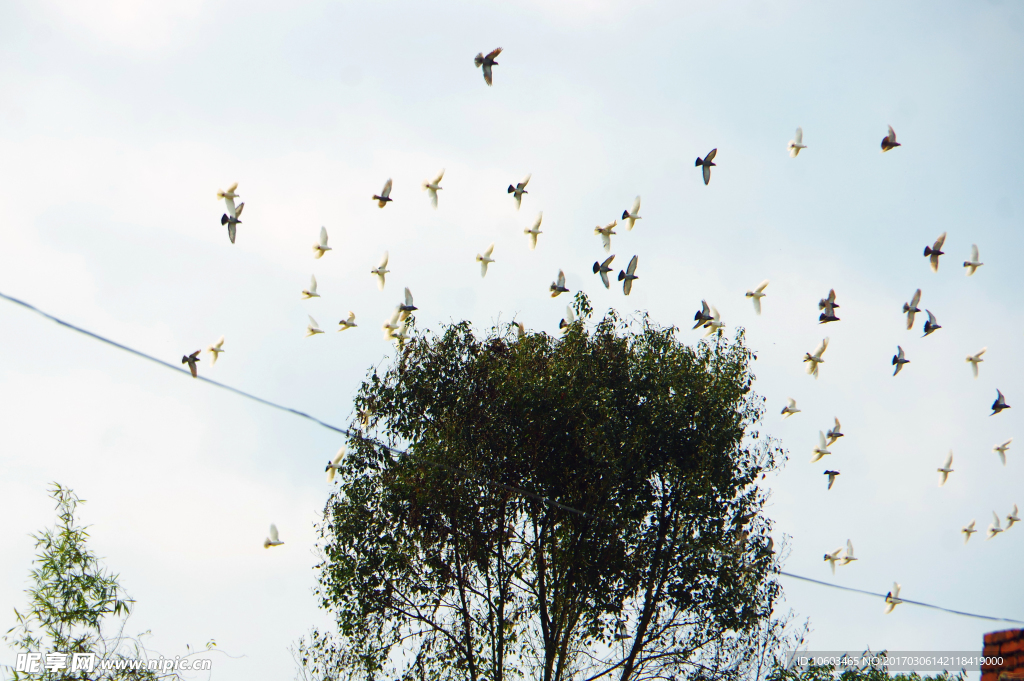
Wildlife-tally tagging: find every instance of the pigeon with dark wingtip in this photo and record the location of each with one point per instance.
(632, 215)
(889, 141)
(911, 308)
(628, 276)
(569, 318)
(831, 477)
(705, 164)
(1000, 403)
(934, 251)
(487, 61)
(829, 307)
(519, 190)
(898, 360)
(191, 361)
(603, 268)
(703, 315)
(931, 324)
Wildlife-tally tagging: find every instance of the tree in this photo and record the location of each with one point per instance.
(73, 600)
(584, 507)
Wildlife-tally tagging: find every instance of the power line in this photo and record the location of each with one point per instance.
(458, 471)
(902, 600)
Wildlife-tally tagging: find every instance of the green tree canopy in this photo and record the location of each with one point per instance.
(437, 566)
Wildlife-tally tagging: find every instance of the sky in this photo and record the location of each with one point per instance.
(120, 120)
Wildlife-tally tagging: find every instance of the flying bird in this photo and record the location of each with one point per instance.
(384, 196)
(432, 187)
(632, 215)
(312, 328)
(1000, 404)
(946, 469)
(348, 323)
(606, 233)
(889, 141)
(321, 247)
(831, 477)
(705, 164)
(828, 306)
(834, 433)
(849, 557)
(968, 531)
(534, 231)
(934, 251)
(628, 276)
(229, 197)
(400, 335)
(703, 315)
(911, 308)
(311, 291)
(790, 408)
(569, 318)
(191, 361)
(816, 359)
(892, 599)
(519, 190)
(715, 324)
(232, 221)
(757, 294)
(215, 350)
(974, 263)
(1002, 449)
(406, 307)
(797, 143)
(487, 62)
(931, 324)
(558, 286)
(334, 464)
(392, 324)
(485, 260)
(995, 528)
(898, 360)
(381, 270)
(821, 450)
(273, 539)
(1014, 517)
(603, 269)
(831, 558)
(975, 359)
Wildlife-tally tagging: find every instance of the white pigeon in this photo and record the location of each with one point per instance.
(815, 359)
(632, 215)
(348, 323)
(311, 291)
(716, 323)
(946, 468)
(968, 531)
(790, 408)
(215, 350)
(757, 294)
(833, 557)
(273, 539)
(892, 599)
(229, 199)
(392, 324)
(849, 557)
(313, 327)
(320, 248)
(995, 528)
(520, 331)
(975, 262)
(406, 307)
(1001, 450)
(432, 186)
(532, 232)
(606, 233)
(822, 449)
(797, 143)
(911, 308)
(335, 464)
(568, 320)
(485, 260)
(381, 270)
(976, 359)
(400, 335)
(1014, 517)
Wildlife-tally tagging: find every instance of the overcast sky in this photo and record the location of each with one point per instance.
(120, 119)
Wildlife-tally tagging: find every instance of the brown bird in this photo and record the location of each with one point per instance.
(191, 360)
(889, 141)
(487, 62)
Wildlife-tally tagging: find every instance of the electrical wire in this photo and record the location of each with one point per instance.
(458, 471)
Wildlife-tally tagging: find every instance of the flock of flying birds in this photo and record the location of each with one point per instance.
(708, 317)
